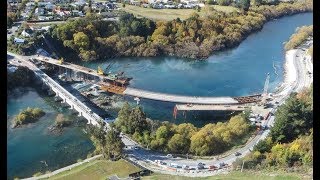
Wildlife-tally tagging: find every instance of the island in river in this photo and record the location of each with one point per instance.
(27, 116)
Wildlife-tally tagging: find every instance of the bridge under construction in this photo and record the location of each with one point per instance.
(118, 84)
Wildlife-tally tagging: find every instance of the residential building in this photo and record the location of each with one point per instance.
(18, 41)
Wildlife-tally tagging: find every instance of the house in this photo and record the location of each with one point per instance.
(50, 7)
(43, 4)
(41, 18)
(46, 28)
(27, 32)
(39, 11)
(18, 41)
(135, 2)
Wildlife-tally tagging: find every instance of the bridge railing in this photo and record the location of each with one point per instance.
(72, 98)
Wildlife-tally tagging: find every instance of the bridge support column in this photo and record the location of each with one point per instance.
(50, 92)
(71, 107)
(64, 100)
(44, 86)
(80, 114)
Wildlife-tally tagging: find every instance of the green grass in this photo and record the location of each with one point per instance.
(230, 176)
(170, 14)
(226, 9)
(98, 169)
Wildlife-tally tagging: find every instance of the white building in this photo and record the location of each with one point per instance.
(18, 41)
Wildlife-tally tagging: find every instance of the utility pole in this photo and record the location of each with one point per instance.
(242, 166)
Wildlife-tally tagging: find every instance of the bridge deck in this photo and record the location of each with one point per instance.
(76, 68)
(154, 95)
(178, 98)
(209, 107)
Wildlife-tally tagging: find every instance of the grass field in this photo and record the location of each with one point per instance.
(230, 176)
(98, 169)
(170, 14)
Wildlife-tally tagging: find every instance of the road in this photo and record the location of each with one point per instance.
(146, 158)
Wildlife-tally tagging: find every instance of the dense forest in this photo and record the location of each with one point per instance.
(183, 138)
(196, 37)
(290, 143)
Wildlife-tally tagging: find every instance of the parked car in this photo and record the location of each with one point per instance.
(222, 165)
(212, 167)
(237, 154)
(185, 167)
(200, 166)
(169, 156)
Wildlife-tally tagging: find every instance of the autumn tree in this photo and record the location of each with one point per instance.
(81, 40)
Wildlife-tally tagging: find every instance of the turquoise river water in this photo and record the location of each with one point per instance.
(236, 72)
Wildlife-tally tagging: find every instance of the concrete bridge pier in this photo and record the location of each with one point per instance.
(44, 86)
(71, 107)
(50, 92)
(80, 114)
(64, 100)
(57, 98)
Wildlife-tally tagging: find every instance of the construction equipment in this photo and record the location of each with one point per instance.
(100, 71)
(61, 60)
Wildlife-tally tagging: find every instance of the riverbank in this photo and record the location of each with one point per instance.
(290, 74)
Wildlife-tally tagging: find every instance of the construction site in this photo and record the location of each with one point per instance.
(106, 89)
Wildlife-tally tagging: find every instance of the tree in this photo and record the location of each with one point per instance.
(81, 40)
(210, 2)
(263, 145)
(9, 22)
(256, 2)
(123, 116)
(224, 2)
(114, 145)
(137, 120)
(244, 4)
(179, 144)
(294, 118)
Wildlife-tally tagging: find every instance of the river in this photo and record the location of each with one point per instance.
(236, 72)
(29, 147)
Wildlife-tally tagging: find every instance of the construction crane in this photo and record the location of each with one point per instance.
(265, 90)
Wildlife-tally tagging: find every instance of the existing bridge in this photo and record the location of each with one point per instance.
(66, 97)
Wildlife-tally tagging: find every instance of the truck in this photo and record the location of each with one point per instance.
(267, 116)
(263, 124)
